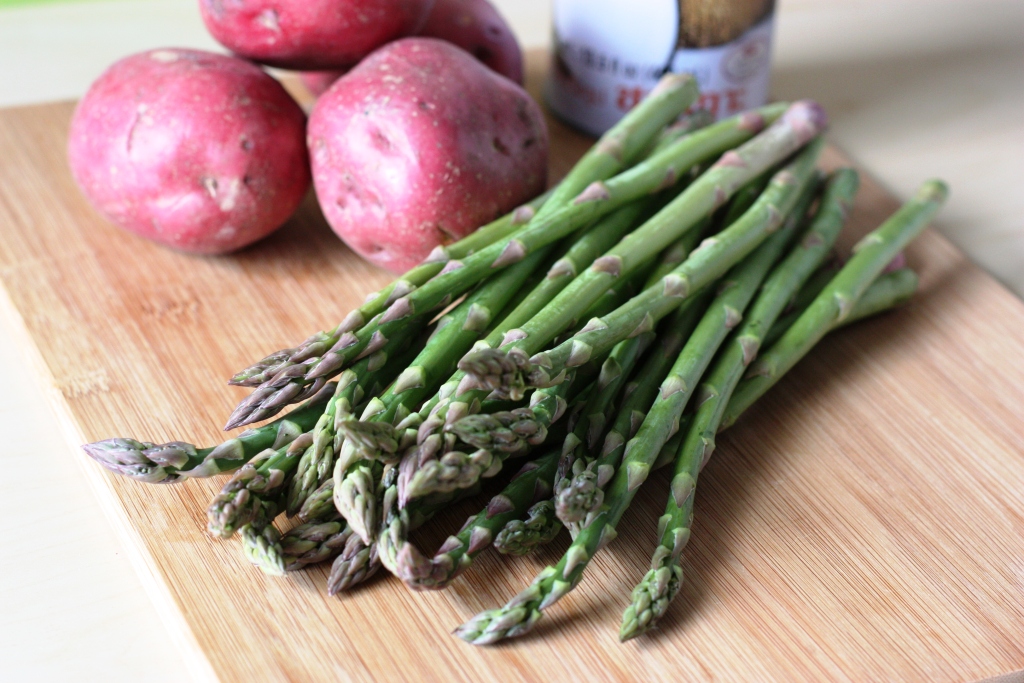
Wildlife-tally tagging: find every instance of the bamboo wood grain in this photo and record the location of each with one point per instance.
(863, 522)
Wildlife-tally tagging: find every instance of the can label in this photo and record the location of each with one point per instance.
(609, 54)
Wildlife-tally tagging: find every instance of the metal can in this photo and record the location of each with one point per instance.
(609, 53)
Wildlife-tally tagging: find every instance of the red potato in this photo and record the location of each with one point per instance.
(418, 146)
(474, 25)
(478, 28)
(317, 82)
(311, 35)
(202, 152)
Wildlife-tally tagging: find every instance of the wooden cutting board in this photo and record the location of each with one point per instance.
(863, 522)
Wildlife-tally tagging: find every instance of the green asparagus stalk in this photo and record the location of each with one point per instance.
(289, 385)
(888, 291)
(454, 334)
(267, 478)
(436, 467)
(177, 460)
(706, 264)
(317, 463)
(578, 499)
(361, 380)
(319, 503)
(356, 563)
(793, 130)
(597, 200)
(523, 536)
(652, 596)
(512, 431)
(579, 485)
(661, 423)
(453, 470)
(531, 484)
(319, 343)
(356, 473)
(677, 252)
(256, 485)
(836, 301)
(591, 426)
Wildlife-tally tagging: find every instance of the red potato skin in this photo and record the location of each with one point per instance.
(478, 28)
(311, 35)
(317, 82)
(202, 152)
(474, 25)
(418, 146)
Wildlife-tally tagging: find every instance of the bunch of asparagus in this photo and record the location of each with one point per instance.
(611, 327)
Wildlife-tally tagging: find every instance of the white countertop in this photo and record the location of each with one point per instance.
(914, 88)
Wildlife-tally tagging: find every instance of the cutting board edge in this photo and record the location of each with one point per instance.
(100, 482)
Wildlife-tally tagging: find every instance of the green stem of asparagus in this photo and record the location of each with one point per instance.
(365, 378)
(652, 595)
(661, 423)
(798, 126)
(319, 343)
(171, 462)
(706, 264)
(531, 484)
(579, 485)
(523, 536)
(835, 303)
(888, 291)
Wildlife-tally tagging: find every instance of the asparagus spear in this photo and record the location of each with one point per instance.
(597, 200)
(796, 128)
(319, 503)
(835, 303)
(290, 385)
(267, 477)
(522, 536)
(422, 471)
(592, 426)
(661, 423)
(254, 489)
(434, 466)
(653, 594)
(177, 460)
(650, 598)
(514, 431)
(453, 334)
(359, 468)
(316, 465)
(531, 484)
(317, 540)
(887, 291)
(356, 563)
(702, 267)
(377, 302)
(580, 481)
